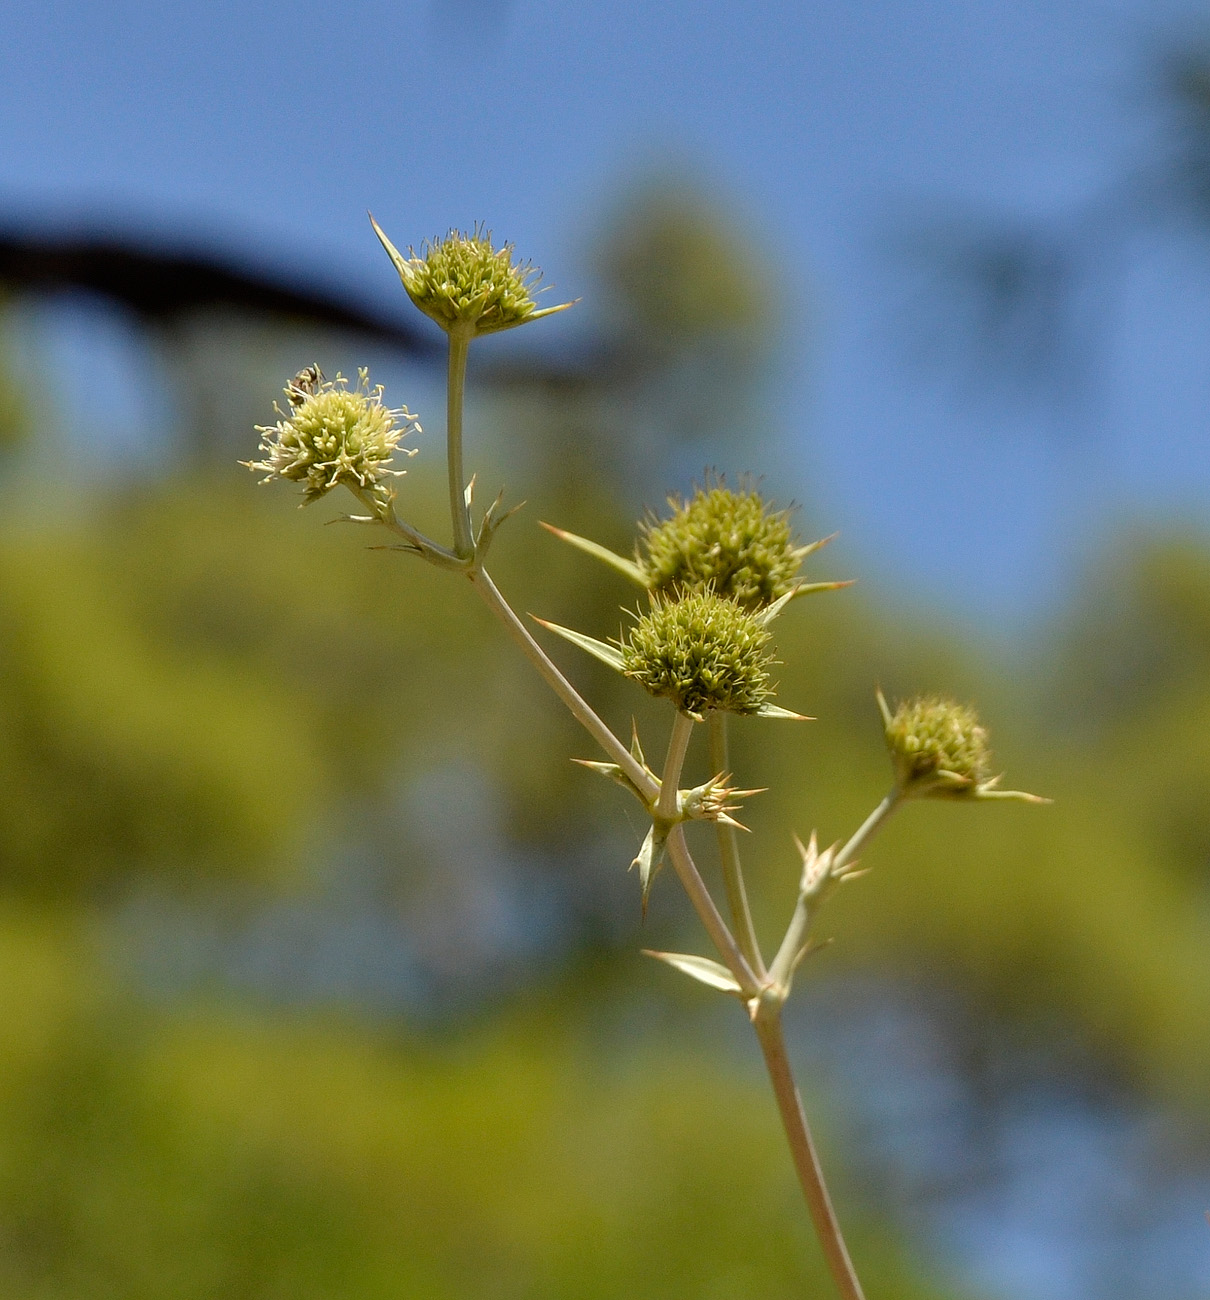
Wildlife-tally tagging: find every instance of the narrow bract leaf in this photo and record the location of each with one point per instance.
(702, 969)
(883, 708)
(649, 859)
(770, 612)
(1020, 796)
(550, 311)
(627, 568)
(812, 547)
(809, 588)
(636, 749)
(607, 654)
(401, 262)
(775, 711)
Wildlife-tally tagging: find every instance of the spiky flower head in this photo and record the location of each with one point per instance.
(729, 541)
(703, 652)
(937, 746)
(333, 434)
(464, 282)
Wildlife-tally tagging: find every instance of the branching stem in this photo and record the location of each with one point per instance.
(678, 746)
(722, 938)
(742, 958)
(580, 709)
(867, 829)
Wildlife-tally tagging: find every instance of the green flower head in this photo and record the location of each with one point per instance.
(937, 746)
(334, 434)
(703, 652)
(728, 541)
(463, 282)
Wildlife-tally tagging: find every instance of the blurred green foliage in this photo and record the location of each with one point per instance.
(146, 1155)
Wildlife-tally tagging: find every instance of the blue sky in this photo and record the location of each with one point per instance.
(270, 128)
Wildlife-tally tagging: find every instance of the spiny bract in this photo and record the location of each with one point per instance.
(333, 434)
(728, 541)
(701, 651)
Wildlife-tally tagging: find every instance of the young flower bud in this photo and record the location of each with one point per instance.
(702, 652)
(937, 746)
(334, 434)
(940, 751)
(461, 281)
(728, 541)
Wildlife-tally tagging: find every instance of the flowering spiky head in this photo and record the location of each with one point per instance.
(729, 541)
(937, 747)
(334, 434)
(464, 282)
(703, 652)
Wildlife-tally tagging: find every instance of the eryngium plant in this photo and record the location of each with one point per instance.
(717, 571)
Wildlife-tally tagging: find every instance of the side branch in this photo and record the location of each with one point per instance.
(580, 709)
(728, 848)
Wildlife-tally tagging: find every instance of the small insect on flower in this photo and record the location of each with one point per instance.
(304, 384)
(333, 434)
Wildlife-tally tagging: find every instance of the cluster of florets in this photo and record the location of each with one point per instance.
(333, 434)
(939, 744)
(701, 651)
(462, 280)
(728, 541)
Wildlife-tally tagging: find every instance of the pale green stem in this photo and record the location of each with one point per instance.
(670, 781)
(678, 850)
(806, 1161)
(708, 914)
(768, 1028)
(460, 515)
(867, 829)
(430, 550)
(579, 707)
(789, 953)
(728, 848)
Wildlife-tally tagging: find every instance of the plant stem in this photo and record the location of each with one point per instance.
(792, 948)
(709, 915)
(867, 829)
(728, 848)
(802, 1149)
(428, 549)
(460, 515)
(579, 707)
(678, 745)
(678, 850)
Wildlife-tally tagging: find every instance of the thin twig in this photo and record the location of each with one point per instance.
(581, 710)
(728, 848)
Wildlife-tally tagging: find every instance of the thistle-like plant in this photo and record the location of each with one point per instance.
(717, 571)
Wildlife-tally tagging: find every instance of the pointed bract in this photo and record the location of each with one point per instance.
(609, 655)
(711, 973)
(627, 568)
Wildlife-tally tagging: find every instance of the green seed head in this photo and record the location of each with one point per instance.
(334, 434)
(728, 541)
(702, 652)
(463, 282)
(937, 747)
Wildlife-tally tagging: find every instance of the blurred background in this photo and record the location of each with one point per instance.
(319, 962)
